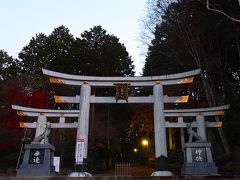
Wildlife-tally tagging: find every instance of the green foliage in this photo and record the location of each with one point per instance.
(51, 52)
(9, 67)
(94, 53)
(98, 53)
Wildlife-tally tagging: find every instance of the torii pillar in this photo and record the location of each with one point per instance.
(201, 128)
(162, 168)
(83, 127)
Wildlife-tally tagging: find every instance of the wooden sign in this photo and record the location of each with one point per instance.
(121, 92)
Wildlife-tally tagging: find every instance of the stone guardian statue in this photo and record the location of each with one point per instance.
(44, 135)
(192, 134)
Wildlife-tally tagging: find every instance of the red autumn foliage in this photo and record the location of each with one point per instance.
(39, 99)
(36, 99)
(142, 121)
(9, 120)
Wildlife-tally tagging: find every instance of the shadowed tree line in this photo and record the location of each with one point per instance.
(187, 35)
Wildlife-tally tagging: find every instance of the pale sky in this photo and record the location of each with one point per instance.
(23, 19)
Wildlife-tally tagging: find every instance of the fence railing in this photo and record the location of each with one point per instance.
(122, 169)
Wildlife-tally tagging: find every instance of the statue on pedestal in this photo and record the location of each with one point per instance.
(197, 156)
(38, 157)
(192, 134)
(44, 135)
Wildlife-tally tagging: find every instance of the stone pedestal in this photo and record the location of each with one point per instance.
(37, 161)
(198, 159)
(162, 168)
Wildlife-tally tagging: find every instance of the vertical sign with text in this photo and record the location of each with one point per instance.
(36, 156)
(56, 163)
(199, 155)
(79, 151)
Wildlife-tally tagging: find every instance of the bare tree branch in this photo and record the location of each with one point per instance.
(212, 8)
(221, 12)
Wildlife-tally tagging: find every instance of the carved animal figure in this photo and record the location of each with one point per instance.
(192, 134)
(44, 135)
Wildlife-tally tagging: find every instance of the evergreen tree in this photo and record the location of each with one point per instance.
(9, 67)
(100, 54)
(50, 52)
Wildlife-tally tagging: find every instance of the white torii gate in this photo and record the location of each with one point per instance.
(85, 98)
(156, 82)
(199, 113)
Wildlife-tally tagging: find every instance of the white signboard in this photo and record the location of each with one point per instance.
(79, 151)
(56, 163)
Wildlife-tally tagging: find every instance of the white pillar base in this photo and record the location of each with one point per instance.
(162, 173)
(79, 174)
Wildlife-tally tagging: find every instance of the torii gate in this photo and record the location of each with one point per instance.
(199, 114)
(85, 98)
(157, 82)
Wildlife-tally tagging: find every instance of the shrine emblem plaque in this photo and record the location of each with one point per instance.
(121, 91)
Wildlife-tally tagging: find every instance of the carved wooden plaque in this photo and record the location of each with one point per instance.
(121, 92)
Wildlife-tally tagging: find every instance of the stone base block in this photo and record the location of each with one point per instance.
(162, 173)
(199, 169)
(33, 171)
(198, 159)
(79, 174)
(37, 161)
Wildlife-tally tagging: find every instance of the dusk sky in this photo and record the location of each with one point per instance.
(23, 19)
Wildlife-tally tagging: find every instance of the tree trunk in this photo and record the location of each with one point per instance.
(212, 103)
(198, 55)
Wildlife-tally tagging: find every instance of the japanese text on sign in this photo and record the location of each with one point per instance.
(36, 156)
(199, 155)
(79, 151)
